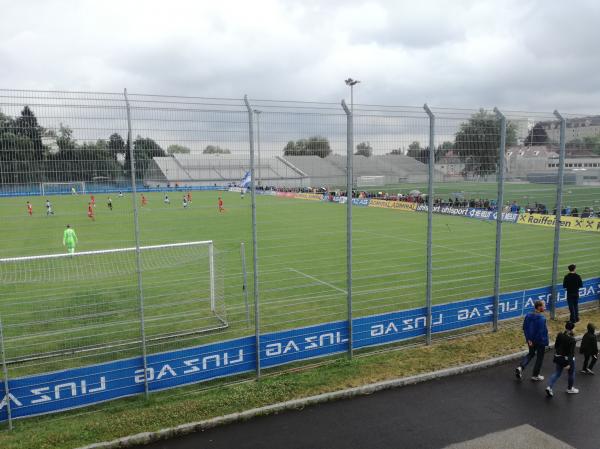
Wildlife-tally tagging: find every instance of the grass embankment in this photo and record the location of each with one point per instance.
(170, 408)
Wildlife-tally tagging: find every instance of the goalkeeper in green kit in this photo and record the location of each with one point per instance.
(70, 239)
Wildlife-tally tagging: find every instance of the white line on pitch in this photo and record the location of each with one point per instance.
(318, 280)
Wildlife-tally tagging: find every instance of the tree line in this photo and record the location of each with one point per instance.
(28, 155)
(26, 158)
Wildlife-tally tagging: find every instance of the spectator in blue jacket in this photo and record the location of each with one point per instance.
(536, 335)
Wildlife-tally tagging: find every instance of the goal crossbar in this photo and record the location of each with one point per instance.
(44, 185)
(103, 251)
(222, 322)
(129, 249)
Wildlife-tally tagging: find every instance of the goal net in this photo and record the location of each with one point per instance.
(89, 302)
(367, 181)
(59, 188)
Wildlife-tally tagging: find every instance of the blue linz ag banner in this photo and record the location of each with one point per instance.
(79, 387)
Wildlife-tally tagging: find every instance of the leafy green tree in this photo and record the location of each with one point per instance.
(64, 140)
(177, 149)
(313, 146)
(446, 145)
(116, 144)
(22, 152)
(364, 149)
(591, 143)
(478, 140)
(215, 149)
(144, 149)
(537, 136)
(415, 145)
(102, 144)
(27, 125)
(416, 152)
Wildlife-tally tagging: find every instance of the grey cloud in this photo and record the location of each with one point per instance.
(535, 55)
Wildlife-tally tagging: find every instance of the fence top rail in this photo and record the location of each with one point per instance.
(103, 251)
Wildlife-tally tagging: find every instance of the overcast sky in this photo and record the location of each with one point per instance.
(516, 54)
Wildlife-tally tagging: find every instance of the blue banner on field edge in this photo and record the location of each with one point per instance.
(72, 388)
(79, 387)
(470, 212)
(278, 348)
(364, 202)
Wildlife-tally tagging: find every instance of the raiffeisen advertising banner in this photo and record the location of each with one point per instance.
(574, 223)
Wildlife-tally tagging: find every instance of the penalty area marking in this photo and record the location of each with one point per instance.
(318, 280)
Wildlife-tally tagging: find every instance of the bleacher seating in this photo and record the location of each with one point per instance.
(291, 171)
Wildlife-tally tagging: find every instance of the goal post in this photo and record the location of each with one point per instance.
(87, 302)
(60, 188)
(370, 181)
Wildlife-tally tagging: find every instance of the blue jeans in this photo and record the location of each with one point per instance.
(558, 371)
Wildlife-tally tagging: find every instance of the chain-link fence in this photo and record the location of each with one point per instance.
(151, 242)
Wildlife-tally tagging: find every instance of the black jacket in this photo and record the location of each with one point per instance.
(565, 345)
(572, 283)
(589, 344)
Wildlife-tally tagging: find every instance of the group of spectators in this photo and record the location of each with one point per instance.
(536, 336)
(420, 198)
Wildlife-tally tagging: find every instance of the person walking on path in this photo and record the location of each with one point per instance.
(572, 283)
(589, 349)
(564, 359)
(536, 334)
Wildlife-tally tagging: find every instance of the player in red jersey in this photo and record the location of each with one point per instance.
(221, 208)
(189, 197)
(144, 200)
(93, 200)
(91, 212)
(29, 208)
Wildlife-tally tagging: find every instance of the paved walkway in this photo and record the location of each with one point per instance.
(484, 409)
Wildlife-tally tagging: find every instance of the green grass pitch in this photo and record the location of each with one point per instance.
(301, 258)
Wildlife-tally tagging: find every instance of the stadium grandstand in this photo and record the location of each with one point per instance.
(279, 171)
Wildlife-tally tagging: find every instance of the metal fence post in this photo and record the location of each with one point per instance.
(245, 282)
(5, 374)
(257, 112)
(430, 176)
(349, 183)
(559, 188)
(499, 205)
(254, 240)
(138, 257)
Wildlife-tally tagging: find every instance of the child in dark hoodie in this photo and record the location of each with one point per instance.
(589, 349)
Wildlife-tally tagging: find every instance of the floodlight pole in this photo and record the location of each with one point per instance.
(349, 183)
(349, 148)
(559, 190)
(431, 173)
(351, 82)
(499, 205)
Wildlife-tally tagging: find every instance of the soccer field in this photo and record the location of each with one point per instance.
(73, 304)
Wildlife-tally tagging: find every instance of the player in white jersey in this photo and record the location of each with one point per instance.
(49, 210)
(167, 200)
